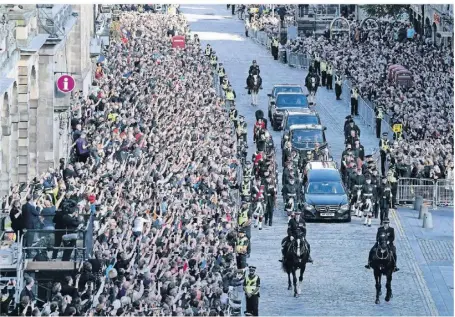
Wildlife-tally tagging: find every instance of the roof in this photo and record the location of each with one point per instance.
(291, 93)
(321, 165)
(305, 126)
(287, 85)
(301, 111)
(321, 175)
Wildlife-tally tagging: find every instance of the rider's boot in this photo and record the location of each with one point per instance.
(310, 260)
(368, 266)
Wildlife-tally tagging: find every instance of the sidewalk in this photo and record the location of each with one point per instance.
(433, 250)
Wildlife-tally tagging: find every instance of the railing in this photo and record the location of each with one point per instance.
(434, 192)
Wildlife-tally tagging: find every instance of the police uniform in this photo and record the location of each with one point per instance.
(208, 50)
(251, 286)
(221, 73)
(242, 129)
(379, 116)
(241, 248)
(385, 199)
(329, 76)
(244, 222)
(225, 84)
(230, 95)
(233, 113)
(246, 188)
(390, 233)
(384, 149)
(274, 48)
(354, 102)
(338, 87)
(213, 60)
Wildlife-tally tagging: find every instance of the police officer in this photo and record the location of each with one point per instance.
(317, 63)
(221, 72)
(248, 171)
(385, 198)
(225, 84)
(213, 60)
(384, 147)
(379, 115)
(390, 233)
(393, 181)
(329, 76)
(368, 192)
(323, 67)
(274, 48)
(241, 248)
(230, 95)
(254, 68)
(233, 113)
(270, 198)
(354, 101)
(242, 129)
(208, 50)
(244, 222)
(338, 87)
(251, 287)
(246, 188)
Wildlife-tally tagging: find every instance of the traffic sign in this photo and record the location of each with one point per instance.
(66, 83)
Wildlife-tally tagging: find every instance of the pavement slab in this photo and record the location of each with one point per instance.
(337, 282)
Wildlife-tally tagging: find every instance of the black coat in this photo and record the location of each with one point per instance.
(30, 216)
(390, 232)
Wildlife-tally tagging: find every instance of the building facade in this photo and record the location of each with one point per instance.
(434, 22)
(39, 43)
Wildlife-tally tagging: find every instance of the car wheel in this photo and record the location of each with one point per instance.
(270, 115)
(349, 218)
(273, 125)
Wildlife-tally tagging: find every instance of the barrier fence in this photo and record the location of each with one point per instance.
(434, 192)
(303, 60)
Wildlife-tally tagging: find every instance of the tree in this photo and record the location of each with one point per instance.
(385, 10)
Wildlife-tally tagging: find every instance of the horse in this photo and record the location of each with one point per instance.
(368, 211)
(383, 264)
(254, 83)
(296, 257)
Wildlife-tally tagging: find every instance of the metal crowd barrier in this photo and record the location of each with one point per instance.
(444, 192)
(410, 188)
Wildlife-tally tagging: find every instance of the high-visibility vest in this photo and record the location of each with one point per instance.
(323, 66)
(208, 51)
(232, 114)
(384, 144)
(240, 130)
(221, 72)
(213, 59)
(380, 115)
(241, 245)
(329, 70)
(229, 95)
(251, 284)
(243, 217)
(224, 86)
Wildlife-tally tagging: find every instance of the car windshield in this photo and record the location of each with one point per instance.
(301, 120)
(302, 136)
(286, 89)
(292, 101)
(325, 188)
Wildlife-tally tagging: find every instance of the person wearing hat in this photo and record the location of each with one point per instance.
(356, 183)
(393, 181)
(379, 112)
(233, 114)
(354, 101)
(384, 148)
(349, 126)
(241, 248)
(359, 150)
(248, 171)
(368, 193)
(289, 190)
(338, 87)
(230, 95)
(225, 84)
(390, 233)
(323, 67)
(329, 80)
(221, 72)
(385, 198)
(254, 68)
(376, 182)
(270, 198)
(213, 60)
(244, 221)
(251, 286)
(242, 129)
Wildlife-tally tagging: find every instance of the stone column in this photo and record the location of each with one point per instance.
(23, 106)
(33, 138)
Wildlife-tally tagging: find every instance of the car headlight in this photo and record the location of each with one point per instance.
(308, 206)
(344, 207)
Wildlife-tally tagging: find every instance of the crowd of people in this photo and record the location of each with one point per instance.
(155, 167)
(425, 109)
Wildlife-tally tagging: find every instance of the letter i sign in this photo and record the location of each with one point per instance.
(65, 83)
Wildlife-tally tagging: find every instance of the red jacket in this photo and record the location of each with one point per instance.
(259, 125)
(258, 158)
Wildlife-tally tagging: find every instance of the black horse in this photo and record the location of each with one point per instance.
(383, 264)
(296, 257)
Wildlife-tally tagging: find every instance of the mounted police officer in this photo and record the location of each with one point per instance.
(296, 225)
(368, 192)
(221, 72)
(270, 198)
(384, 147)
(338, 87)
(385, 198)
(390, 233)
(244, 222)
(254, 69)
(312, 82)
(251, 287)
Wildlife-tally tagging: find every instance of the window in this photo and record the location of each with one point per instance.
(302, 120)
(309, 136)
(292, 101)
(286, 89)
(325, 188)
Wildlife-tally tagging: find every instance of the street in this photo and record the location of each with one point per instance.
(337, 282)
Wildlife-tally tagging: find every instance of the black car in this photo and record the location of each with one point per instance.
(285, 101)
(296, 117)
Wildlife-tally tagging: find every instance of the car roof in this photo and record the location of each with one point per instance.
(305, 127)
(290, 93)
(321, 165)
(323, 175)
(287, 85)
(301, 111)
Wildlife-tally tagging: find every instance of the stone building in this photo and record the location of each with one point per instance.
(435, 22)
(39, 43)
